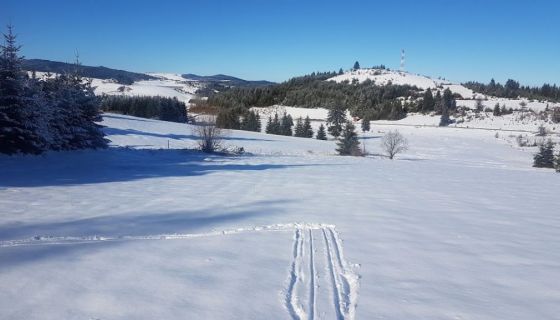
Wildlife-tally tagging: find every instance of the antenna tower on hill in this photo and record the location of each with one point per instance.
(402, 60)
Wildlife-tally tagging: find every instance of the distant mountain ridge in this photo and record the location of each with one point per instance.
(227, 80)
(121, 76)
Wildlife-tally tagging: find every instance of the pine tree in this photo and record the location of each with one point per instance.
(269, 127)
(299, 132)
(365, 124)
(340, 71)
(307, 129)
(348, 143)
(335, 119)
(286, 125)
(428, 103)
(438, 103)
(557, 162)
(251, 122)
(397, 111)
(228, 119)
(258, 125)
(321, 134)
(356, 65)
(19, 114)
(497, 112)
(545, 157)
(447, 104)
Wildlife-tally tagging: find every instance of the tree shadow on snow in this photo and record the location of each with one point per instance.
(116, 165)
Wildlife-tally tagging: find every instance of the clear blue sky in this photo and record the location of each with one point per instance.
(275, 40)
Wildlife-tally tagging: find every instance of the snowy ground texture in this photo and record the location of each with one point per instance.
(459, 227)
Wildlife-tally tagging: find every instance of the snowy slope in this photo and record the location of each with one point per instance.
(165, 87)
(460, 227)
(169, 85)
(384, 77)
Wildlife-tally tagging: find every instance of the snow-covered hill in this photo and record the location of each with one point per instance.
(169, 85)
(384, 77)
(459, 227)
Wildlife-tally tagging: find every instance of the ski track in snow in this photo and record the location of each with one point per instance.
(344, 282)
(301, 292)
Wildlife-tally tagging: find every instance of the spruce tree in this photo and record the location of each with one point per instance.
(438, 103)
(276, 129)
(299, 132)
(286, 125)
(20, 128)
(321, 134)
(446, 106)
(356, 65)
(366, 124)
(251, 122)
(335, 119)
(428, 103)
(497, 112)
(557, 162)
(269, 127)
(340, 71)
(307, 129)
(348, 143)
(258, 124)
(545, 157)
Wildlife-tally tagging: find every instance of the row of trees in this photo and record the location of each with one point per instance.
(155, 107)
(58, 113)
(512, 89)
(283, 126)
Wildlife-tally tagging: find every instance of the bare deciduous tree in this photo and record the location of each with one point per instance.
(394, 143)
(209, 137)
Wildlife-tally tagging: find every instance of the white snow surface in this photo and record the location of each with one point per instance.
(458, 227)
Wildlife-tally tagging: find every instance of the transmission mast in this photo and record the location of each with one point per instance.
(402, 60)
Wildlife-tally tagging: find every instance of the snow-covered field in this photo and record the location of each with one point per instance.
(459, 227)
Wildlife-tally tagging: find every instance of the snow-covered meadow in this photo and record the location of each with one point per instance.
(459, 227)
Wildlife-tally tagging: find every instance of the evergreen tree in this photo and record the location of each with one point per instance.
(438, 103)
(76, 109)
(497, 112)
(335, 119)
(19, 113)
(397, 111)
(356, 65)
(340, 71)
(557, 162)
(286, 125)
(276, 128)
(251, 122)
(269, 126)
(545, 157)
(258, 125)
(348, 143)
(299, 132)
(321, 134)
(228, 119)
(428, 103)
(365, 124)
(307, 129)
(447, 105)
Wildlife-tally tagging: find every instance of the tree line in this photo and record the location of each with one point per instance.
(152, 107)
(512, 89)
(58, 113)
(312, 91)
